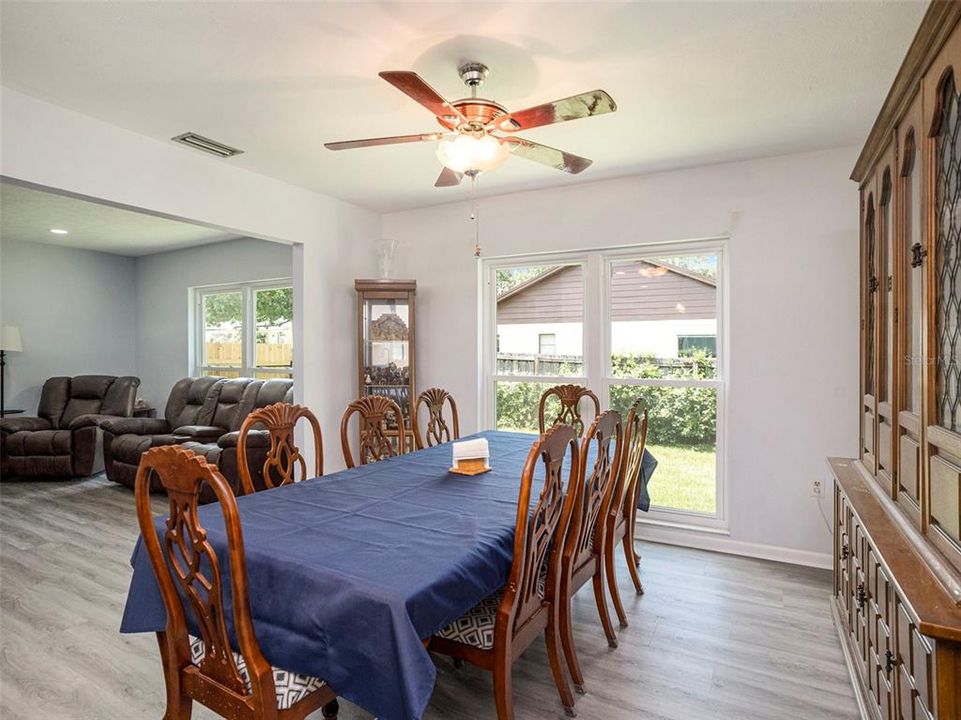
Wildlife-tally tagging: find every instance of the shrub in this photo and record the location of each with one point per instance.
(677, 416)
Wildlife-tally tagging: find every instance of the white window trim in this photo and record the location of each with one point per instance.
(248, 350)
(597, 343)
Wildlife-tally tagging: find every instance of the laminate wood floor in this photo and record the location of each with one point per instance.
(715, 636)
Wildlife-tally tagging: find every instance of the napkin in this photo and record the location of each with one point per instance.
(471, 450)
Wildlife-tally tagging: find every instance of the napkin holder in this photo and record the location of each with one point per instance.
(471, 457)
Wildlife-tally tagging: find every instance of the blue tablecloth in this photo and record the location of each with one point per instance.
(348, 572)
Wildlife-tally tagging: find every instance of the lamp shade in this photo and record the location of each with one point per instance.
(467, 153)
(10, 339)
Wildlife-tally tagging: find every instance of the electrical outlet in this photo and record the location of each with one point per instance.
(817, 489)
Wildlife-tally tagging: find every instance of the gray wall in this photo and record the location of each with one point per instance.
(76, 310)
(163, 283)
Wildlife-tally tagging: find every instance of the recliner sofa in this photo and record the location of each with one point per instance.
(62, 440)
(203, 414)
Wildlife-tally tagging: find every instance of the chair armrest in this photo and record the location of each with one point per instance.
(200, 432)
(135, 426)
(17, 424)
(255, 439)
(82, 421)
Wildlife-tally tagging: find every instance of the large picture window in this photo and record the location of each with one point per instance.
(244, 330)
(626, 323)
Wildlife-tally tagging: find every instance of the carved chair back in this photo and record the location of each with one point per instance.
(374, 412)
(189, 574)
(570, 397)
(283, 456)
(596, 486)
(628, 484)
(538, 534)
(437, 430)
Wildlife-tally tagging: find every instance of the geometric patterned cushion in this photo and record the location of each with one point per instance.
(476, 626)
(290, 687)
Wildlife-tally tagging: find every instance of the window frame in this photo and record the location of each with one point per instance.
(597, 372)
(248, 350)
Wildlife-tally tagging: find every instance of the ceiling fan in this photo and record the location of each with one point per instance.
(479, 134)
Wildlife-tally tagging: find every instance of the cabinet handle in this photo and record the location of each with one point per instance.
(889, 662)
(845, 552)
(862, 596)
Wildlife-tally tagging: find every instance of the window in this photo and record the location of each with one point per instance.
(627, 323)
(547, 344)
(687, 345)
(244, 330)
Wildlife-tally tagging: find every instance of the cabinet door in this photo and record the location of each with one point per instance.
(887, 400)
(941, 108)
(909, 283)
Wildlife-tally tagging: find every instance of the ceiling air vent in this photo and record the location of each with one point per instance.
(199, 142)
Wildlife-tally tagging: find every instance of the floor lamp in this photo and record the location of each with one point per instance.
(9, 342)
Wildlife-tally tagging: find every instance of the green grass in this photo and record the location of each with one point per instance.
(684, 478)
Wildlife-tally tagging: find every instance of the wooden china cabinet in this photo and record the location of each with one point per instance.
(385, 336)
(897, 508)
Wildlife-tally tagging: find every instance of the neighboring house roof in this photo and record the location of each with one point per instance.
(640, 290)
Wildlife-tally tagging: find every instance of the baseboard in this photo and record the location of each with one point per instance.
(720, 543)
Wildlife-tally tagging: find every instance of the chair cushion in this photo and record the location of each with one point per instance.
(128, 448)
(290, 687)
(39, 443)
(476, 626)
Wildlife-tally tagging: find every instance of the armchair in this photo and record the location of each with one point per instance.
(192, 403)
(62, 440)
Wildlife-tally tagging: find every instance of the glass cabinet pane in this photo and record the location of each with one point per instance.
(947, 269)
(871, 280)
(387, 350)
(886, 287)
(913, 352)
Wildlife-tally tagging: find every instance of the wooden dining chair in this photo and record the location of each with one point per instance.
(498, 629)
(583, 555)
(437, 430)
(622, 516)
(283, 456)
(570, 397)
(374, 415)
(237, 684)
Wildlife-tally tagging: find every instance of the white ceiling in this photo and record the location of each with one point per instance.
(27, 215)
(695, 83)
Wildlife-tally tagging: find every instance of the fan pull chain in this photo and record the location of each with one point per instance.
(475, 218)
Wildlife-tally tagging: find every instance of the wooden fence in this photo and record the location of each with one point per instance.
(268, 354)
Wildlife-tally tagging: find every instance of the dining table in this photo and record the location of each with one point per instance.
(350, 572)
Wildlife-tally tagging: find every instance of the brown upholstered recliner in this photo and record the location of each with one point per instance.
(191, 403)
(222, 451)
(62, 440)
(203, 414)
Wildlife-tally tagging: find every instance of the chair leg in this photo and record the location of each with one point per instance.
(601, 601)
(567, 638)
(633, 560)
(503, 693)
(612, 582)
(179, 705)
(330, 710)
(552, 638)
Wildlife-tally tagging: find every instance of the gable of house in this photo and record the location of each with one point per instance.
(639, 291)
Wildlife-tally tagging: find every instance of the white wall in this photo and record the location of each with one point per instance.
(75, 311)
(163, 301)
(48, 145)
(793, 254)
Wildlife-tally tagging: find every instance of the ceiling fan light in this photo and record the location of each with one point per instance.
(464, 153)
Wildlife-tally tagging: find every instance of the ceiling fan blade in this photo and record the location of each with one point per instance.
(595, 102)
(448, 178)
(371, 142)
(414, 86)
(558, 159)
